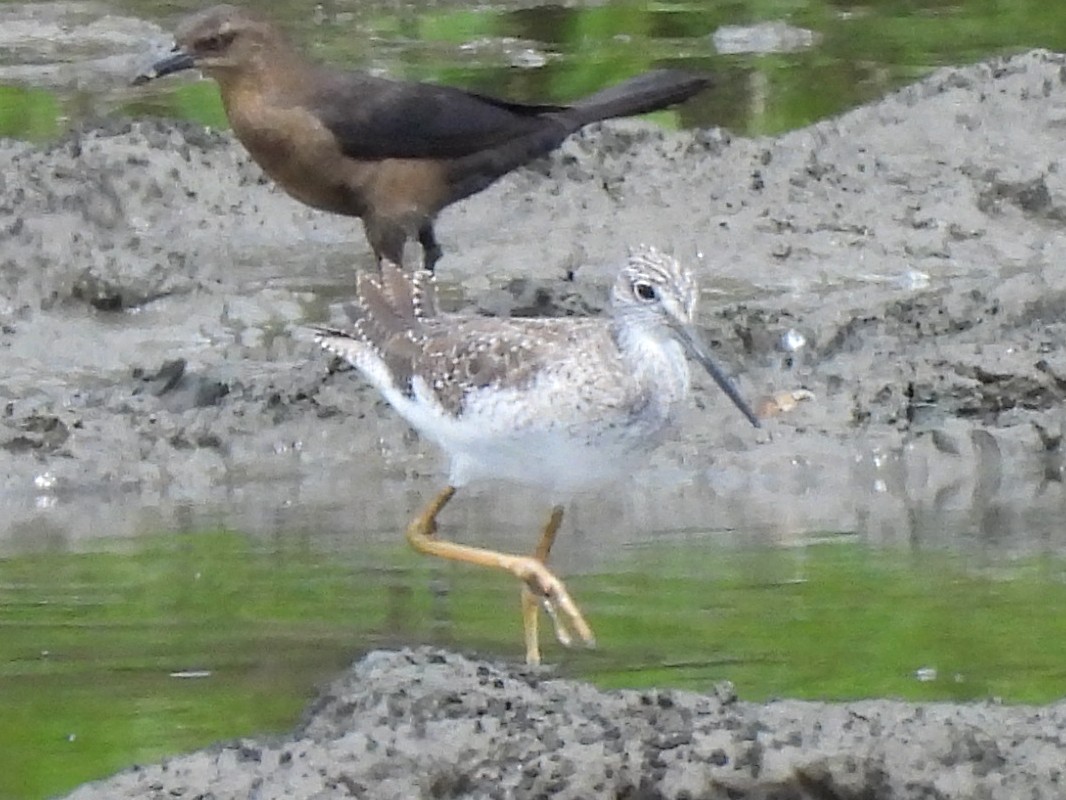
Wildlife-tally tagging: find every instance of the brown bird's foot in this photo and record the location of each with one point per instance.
(782, 402)
(430, 257)
(540, 586)
(431, 249)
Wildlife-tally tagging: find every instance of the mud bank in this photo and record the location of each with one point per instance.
(426, 723)
(153, 286)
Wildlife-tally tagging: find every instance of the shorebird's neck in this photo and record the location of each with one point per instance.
(654, 357)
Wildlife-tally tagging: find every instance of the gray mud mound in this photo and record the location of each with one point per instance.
(431, 724)
(90, 217)
(914, 246)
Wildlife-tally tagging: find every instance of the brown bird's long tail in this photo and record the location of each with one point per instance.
(651, 91)
(648, 92)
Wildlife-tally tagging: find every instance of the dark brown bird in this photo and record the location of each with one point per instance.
(393, 153)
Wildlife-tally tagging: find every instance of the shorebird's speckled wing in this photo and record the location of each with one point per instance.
(399, 325)
(460, 357)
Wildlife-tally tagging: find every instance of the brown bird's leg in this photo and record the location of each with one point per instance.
(421, 533)
(531, 603)
(431, 249)
(386, 238)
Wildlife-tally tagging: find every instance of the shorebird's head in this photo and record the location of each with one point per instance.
(222, 41)
(655, 291)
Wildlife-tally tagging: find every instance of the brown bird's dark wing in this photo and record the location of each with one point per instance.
(375, 118)
(378, 118)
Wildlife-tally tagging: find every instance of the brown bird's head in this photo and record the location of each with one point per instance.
(221, 41)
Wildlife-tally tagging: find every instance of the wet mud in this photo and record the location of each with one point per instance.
(902, 262)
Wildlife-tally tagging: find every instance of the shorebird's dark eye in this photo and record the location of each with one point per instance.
(645, 291)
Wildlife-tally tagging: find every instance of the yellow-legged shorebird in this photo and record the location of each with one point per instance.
(559, 404)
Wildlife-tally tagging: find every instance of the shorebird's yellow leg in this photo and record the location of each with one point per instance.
(530, 601)
(421, 533)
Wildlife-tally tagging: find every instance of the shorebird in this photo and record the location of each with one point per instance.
(560, 404)
(394, 153)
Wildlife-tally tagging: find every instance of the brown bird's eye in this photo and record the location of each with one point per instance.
(645, 291)
(217, 41)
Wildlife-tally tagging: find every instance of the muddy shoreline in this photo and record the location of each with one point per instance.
(153, 289)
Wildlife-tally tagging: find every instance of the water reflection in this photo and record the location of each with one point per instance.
(948, 489)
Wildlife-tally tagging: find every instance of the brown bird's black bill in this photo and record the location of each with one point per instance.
(176, 62)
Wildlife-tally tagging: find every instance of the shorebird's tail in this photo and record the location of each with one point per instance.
(389, 310)
(395, 301)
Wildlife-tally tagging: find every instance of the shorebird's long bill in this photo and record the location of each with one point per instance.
(175, 62)
(695, 347)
